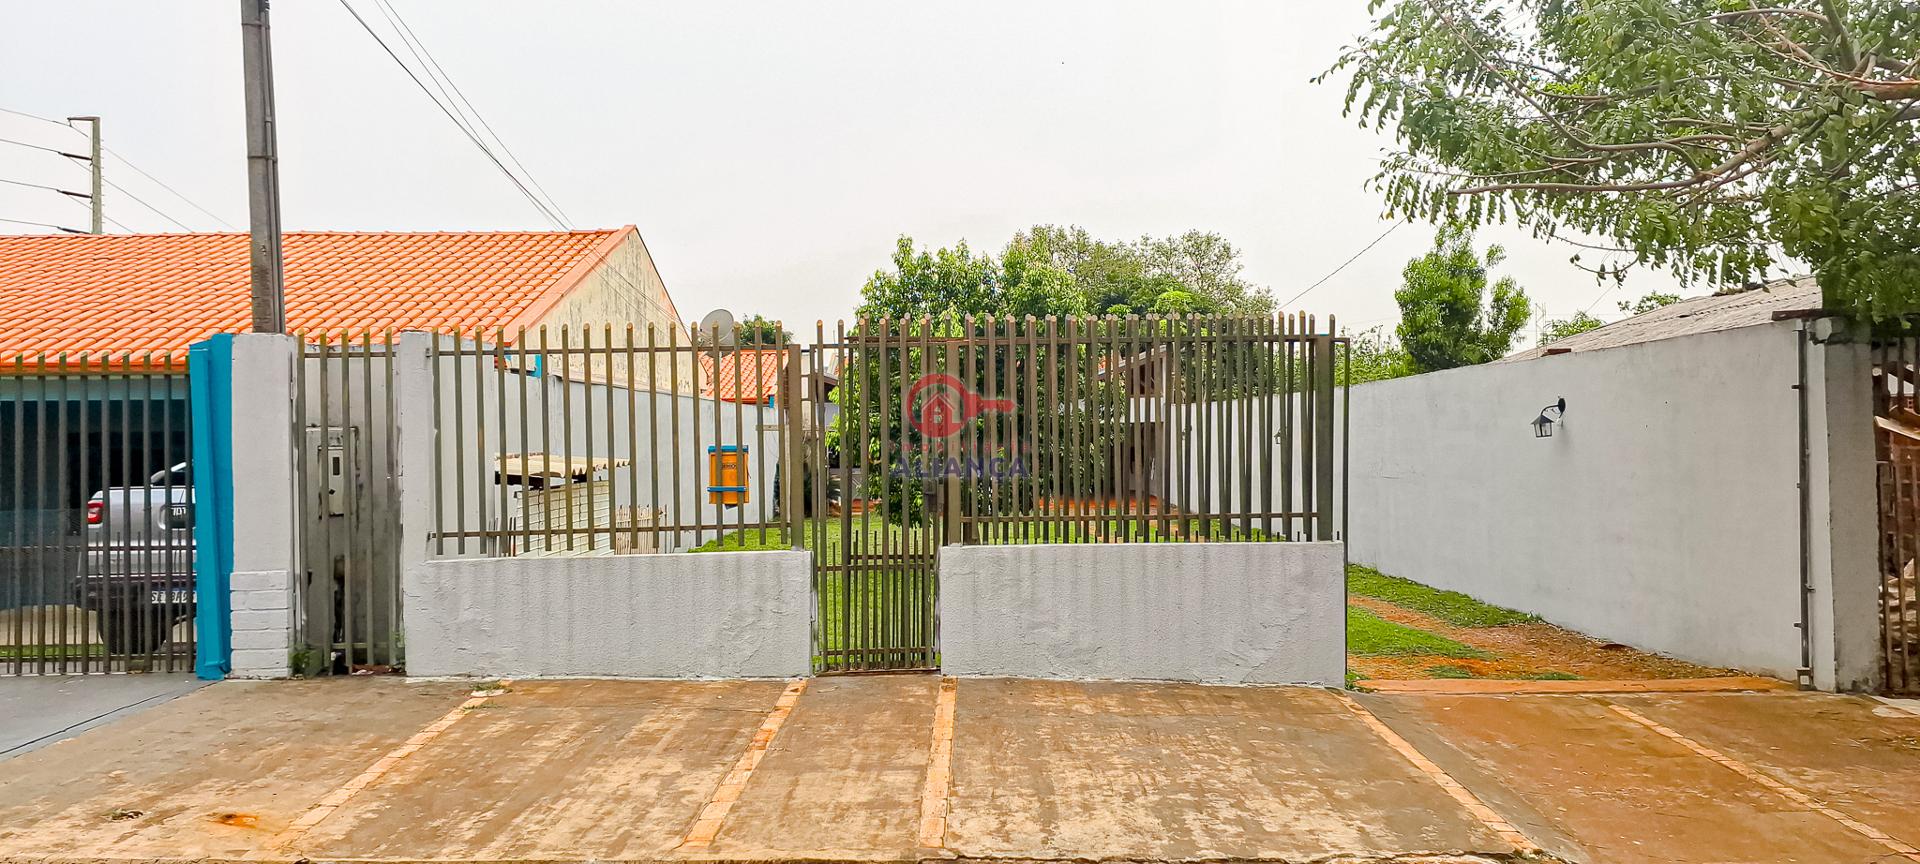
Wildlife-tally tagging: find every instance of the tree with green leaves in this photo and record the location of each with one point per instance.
(1375, 356)
(1193, 273)
(1448, 315)
(956, 282)
(759, 330)
(1557, 329)
(1713, 137)
(1653, 300)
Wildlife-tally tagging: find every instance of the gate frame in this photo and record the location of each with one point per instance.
(210, 389)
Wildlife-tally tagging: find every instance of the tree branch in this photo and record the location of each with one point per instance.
(1758, 13)
(1718, 172)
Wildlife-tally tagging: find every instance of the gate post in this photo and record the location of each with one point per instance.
(242, 394)
(1323, 458)
(792, 464)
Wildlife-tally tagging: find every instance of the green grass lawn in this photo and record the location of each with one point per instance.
(1370, 635)
(50, 652)
(1452, 607)
(1113, 531)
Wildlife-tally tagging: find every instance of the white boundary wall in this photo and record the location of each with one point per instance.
(1236, 613)
(1664, 511)
(706, 615)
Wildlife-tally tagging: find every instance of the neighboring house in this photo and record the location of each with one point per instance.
(1671, 506)
(94, 330)
(113, 295)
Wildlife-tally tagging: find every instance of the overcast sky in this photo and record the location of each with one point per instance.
(770, 152)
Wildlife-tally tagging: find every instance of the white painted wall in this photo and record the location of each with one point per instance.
(1236, 613)
(1664, 511)
(711, 615)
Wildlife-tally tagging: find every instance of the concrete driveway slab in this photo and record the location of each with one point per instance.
(1057, 769)
(37, 710)
(1597, 787)
(1851, 753)
(210, 774)
(555, 770)
(843, 778)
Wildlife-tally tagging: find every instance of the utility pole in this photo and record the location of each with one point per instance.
(93, 162)
(263, 172)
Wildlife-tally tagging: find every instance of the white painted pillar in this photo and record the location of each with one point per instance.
(1845, 499)
(264, 555)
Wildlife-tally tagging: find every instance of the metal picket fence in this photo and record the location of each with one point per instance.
(96, 522)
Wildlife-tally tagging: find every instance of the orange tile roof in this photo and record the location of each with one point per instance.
(747, 375)
(159, 293)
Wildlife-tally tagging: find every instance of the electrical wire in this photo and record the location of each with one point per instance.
(1344, 264)
(444, 109)
(54, 150)
(451, 106)
(44, 225)
(66, 192)
(439, 75)
(136, 199)
(117, 187)
(123, 160)
(163, 184)
(33, 117)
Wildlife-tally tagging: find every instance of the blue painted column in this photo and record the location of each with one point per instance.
(210, 383)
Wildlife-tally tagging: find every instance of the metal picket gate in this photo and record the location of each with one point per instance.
(96, 520)
(1896, 380)
(1007, 430)
(347, 589)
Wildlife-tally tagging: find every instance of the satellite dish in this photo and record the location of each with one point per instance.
(720, 321)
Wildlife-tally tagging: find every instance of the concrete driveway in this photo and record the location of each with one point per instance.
(906, 768)
(37, 710)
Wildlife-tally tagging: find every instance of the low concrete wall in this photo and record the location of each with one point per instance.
(1239, 613)
(711, 615)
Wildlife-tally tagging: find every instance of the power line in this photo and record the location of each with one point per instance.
(67, 192)
(1343, 264)
(54, 150)
(44, 225)
(162, 184)
(125, 161)
(471, 136)
(71, 194)
(34, 117)
(163, 214)
(439, 74)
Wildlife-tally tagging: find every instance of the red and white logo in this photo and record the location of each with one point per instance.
(940, 405)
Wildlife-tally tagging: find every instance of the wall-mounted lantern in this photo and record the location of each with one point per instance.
(1543, 424)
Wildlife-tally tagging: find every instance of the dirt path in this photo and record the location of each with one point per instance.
(1533, 650)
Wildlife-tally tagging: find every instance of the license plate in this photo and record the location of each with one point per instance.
(177, 596)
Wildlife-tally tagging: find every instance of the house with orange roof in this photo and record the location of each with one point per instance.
(94, 329)
(115, 300)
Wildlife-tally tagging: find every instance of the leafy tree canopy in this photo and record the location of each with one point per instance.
(1653, 300)
(1560, 328)
(1375, 356)
(761, 330)
(1714, 137)
(1448, 317)
(1054, 270)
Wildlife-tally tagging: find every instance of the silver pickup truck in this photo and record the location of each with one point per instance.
(138, 576)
